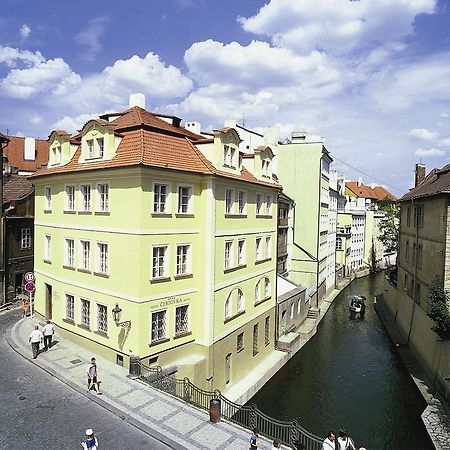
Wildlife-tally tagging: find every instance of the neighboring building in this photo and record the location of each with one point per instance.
(331, 236)
(285, 234)
(175, 232)
(25, 155)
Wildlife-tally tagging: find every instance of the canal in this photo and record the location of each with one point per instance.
(350, 376)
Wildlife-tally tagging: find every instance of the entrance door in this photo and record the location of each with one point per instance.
(48, 301)
(227, 368)
(18, 283)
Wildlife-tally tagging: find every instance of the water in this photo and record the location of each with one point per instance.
(350, 376)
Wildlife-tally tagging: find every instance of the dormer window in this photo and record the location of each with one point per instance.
(228, 156)
(95, 148)
(57, 155)
(100, 143)
(266, 168)
(90, 146)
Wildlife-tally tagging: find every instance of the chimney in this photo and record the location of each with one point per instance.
(420, 174)
(298, 136)
(136, 100)
(194, 127)
(359, 181)
(29, 150)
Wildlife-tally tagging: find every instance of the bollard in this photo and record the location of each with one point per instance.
(214, 410)
(135, 367)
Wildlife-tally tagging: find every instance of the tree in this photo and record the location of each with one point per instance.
(389, 226)
(438, 304)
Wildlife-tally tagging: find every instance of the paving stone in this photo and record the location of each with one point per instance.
(158, 410)
(210, 436)
(183, 422)
(136, 399)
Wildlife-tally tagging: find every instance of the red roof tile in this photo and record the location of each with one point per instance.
(15, 152)
(360, 191)
(383, 194)
(16, 187)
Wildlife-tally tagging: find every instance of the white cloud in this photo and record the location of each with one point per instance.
(423, 133)
(429, 152)
(445, 142)
(24, 31)
(90, 37)
(444, 115)
(335, 26)
(72, 124)
(11, 56)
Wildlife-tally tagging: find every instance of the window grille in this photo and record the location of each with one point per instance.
(70, 307)
(85, 312)
(159, 325)
(181, 319)
(255, 339)
(182, 259)
(102, 318)
(25, 238)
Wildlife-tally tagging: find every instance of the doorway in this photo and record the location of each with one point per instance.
(227, 368)
(18, 283)
(48, 301)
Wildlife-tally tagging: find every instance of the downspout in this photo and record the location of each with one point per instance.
(318, 231)
(416, 224)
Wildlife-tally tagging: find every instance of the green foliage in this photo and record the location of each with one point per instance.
(389, 226)
(438, 304)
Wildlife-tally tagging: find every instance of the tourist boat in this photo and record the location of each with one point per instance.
(356, 305)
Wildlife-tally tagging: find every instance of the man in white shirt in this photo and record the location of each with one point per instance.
(48, 330)
(92, 377)
(330, 442)
(36, 337)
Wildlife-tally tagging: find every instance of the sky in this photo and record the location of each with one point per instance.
(371, 77)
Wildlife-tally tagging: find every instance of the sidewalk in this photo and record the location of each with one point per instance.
(166, 418)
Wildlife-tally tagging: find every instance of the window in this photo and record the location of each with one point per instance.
(266, 288)
(85, 312)
(258, 203)
(70, 198)
(241, 252)
(258, 252)
(70, 252)
(242, 202)
(407, 251)
(48, 248)
(85, 255)
(159, 325)
(228, 254)
(292, 310)
(269, 205)
(257, 292)
(267, 250)
(25, 238)
(240, 342)
(159, 262)
(70, 307)
(338, 243)
(100, 146)
(408, 216)
(419, 255)
(255, 339)
(103, 197)
(90, 146)
(228, 156)
(227, 311)
(181, 320)
(265, 168)
(182, 259)
(85, 197)
(160, 198)
(418, 216)
(228, 201)
(48, 198)
(184, 199)
(240, 301)
(267, 331)
(102, 318)
(102, 257)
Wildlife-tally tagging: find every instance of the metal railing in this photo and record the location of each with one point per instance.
(247, 416)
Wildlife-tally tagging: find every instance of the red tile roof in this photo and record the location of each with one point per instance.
(360, 191)
(383, 194)
(16, 187)
(15, 152)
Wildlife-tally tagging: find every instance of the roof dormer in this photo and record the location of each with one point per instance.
(263, 163)
(98, 141)
(60, 150)
(226, 149)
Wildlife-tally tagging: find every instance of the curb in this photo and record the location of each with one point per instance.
(11, 329)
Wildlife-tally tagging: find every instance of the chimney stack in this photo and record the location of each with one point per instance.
(420, 174)
(29, 150)
(298, 136)
(359, 181)
(136, 100)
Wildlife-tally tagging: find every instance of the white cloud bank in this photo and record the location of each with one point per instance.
(429, 152)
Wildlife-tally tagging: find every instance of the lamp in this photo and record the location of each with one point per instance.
(116, 316)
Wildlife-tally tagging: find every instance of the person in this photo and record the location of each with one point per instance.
(344, 442)
(254, 440)
(48, 330)
(25, 307)
(91, 442)
(329, 442)
(36, 337)
(92, 377)
(299, 446)
(276, 444)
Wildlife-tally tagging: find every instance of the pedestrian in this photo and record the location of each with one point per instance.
(299, 446)
(36, 337)
(91, 442)
(254, 440)
(276, 444)
(92, 377)
(25, 307)
(344, 442)
(330, 442)
(48, 330)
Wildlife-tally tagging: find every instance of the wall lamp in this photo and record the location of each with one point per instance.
(117, 310)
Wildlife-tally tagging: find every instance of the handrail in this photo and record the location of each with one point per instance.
(247, 416)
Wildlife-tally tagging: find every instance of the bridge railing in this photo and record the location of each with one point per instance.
(247, 416)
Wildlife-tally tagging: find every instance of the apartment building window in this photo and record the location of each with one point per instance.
(25, 238)
(184, 199)
(267, 250)
(258, 204)
(258, 252)
(265, 168)
(160, 198)
(48, 198)
(228, 156)
(255, 339)
(159, 325)
(85, 255)
(414, 251)
(269, 205)
(48, 248)
(90, 146)
(86, 197)
(266, 288)
(242, 202)
(103, 197)
(182, 259)
(267, 331)
(405, 282)
(102, 319)
(419, 255)
(227, 311)
(182, 320)
(407, 251)
(418, 216)
(70, 198)
(240, 342)
(338, 243)
(228, 254)
(159, 262)
(103, 258)
(240, 301)
(70, 252)
(408, 216)
(100, 146)
(85, 312)
(241, 252)
(228, 201)
(70, 307)
(257, 292)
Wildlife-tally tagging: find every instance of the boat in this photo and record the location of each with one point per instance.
(357, 306)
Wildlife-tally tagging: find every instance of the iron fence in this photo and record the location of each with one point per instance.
(247, 416)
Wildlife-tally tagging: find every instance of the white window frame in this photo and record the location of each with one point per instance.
(269, 203)
(267, 288)
(161, 326)
(185, 322)
(159, 206)
(229, 201)
(267, 331)
(102, 257)
(228, 307)
(100, 143)
(160, 270)
(258, 291)
(70, 191)
(241, 252)
(187, 260)
(102, 322)
(268, 248)
(180, 203)
(84, 322)
(259, 204)
(25, 238)
(48, 198)
(90, 145)
(240, 342)
(47, 247)
(255, 339)
(86, 197)
(85, 254)
(103, 197)
(240, 300)
(258, 248)
(228, 255)
(242, 202)
(70, 307)
(69, 252)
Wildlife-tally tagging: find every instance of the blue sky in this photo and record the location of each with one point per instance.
(371, 77)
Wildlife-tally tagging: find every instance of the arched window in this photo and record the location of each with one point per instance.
(266, 287)
(228, 307)
(240, 301)
(257, 290)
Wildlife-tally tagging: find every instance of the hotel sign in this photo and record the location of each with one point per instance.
(170, 301)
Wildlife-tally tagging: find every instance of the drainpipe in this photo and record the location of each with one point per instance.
(318, 231)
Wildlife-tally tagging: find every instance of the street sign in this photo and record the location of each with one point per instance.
(30, 287)
(29, 277)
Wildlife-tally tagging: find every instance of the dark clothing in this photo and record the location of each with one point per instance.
(48, 341)
(253, 442)
(35, 349)
(92, 381)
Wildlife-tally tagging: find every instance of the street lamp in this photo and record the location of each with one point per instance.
(117, 310)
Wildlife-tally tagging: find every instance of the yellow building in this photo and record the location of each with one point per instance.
(157, 242)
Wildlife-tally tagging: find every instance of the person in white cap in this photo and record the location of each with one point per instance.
(91, 442)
